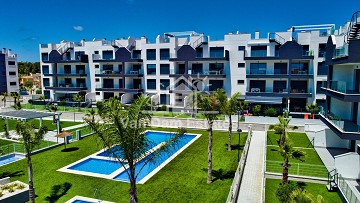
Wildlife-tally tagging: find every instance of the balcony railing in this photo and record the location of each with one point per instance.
(299, 72)
(341, 51)
(339, 86)
(298, 91)
(107, 72)
(99, 57)
(343, 124)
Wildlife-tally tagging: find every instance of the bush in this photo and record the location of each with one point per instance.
(163, 108)
(270, 112)
(62, 102)
(38, 91)
(257, 110)
(284, 192)
(30, 101)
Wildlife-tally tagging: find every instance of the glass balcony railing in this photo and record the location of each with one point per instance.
(339, 86)
(343, 124)
(341, 51)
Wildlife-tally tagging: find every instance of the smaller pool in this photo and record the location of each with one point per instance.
(81, 199)
(101, 166)
(10, 158)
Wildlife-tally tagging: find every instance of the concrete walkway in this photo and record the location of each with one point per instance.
(251, 188)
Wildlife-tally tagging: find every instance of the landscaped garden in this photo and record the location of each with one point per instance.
(310, 165)
(183, 179)
(312, 188)
(48, 123)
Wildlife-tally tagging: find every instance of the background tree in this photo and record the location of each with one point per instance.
(16, 96)
(5, 95)
(53, 108)
(25, 68)
(29, 86)
(313, 108)
(229, 108)
(125, 128)
(210, 107)
(31, 138)
(78, 98)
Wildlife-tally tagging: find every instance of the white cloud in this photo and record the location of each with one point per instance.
(78, 28)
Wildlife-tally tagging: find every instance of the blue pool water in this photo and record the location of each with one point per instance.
(107, 167)
(10, 158)
(81, 201)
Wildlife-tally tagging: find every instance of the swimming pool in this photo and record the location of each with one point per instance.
(102, 164)
(7, 159)
(81, 199)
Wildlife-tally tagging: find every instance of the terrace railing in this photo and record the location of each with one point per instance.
(235, 186)
(298, 169)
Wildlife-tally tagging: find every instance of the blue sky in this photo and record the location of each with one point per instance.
(27, 23)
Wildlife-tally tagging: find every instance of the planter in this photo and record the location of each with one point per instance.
(16, 191)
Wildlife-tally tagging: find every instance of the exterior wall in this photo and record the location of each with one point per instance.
(342, 163)
(345, 112)
(327, 138)
(10, 82)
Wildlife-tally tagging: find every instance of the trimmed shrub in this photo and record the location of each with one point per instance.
(257, 110)
(270, 111)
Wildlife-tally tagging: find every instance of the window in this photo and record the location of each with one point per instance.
(199, 52)
(151, 54)
(151, 69)
(12, 73)
(12, 83)
(241, 48)
(164, 69)
(97, 93)
(136, 54)
(121, 83)
(258, 68)
(97, 80)
(280, 86)
(322, 50)
(151, 84)
(216, 67)
(322, 69)
(96, 52)
(216, 52)
(300, 68)
(258, 51)
(46, 82)
(164, 84)
(108, 67)
(44, 56)
(45, 69)
(197, 68)
(107, 55)
(164, 99)
(67, 69)
(164, 54)
(11, 63)
(241, 82)
(215, 84)
(241, 65)
(280, 68)
(97, 66)
(78, 55)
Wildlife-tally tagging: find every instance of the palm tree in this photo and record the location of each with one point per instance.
(42, 98)
(228, 107)
(16, 97)
(313, 108)
(125, 128)
(78, 98)
(53, 108)
(301, 196)
(287, 152)
(91, 116)
(210, 107)
(4, 94)
(281, 127)
(31, 138)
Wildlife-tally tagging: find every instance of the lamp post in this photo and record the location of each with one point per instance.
(239, 132)
(74, 110)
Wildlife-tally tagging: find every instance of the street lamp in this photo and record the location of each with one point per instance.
(239, 132)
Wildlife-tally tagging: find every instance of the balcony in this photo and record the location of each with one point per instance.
(277, 92)
(345, 129)
(99, 58)
(266, 74)
(299, 93)
(339, 90)
(301, 73)
(60, 73)
(134, 73)
(109, 88)
(108, 73)
(68, 87)
(341, 52)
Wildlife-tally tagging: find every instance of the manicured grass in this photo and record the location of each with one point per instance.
(199, 116)
(6, 142)
(60, 108)
(7, 146)
(311, 156)
(298, 139)
(83, 130)
(313, 188)
(48, 123)
(165, 113)
(183, 179)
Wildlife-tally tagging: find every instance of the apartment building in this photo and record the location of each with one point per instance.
(8, 72)
(283, 68)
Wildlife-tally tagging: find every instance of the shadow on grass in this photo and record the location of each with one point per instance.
(70, 149)
(274, 150)
(9, 174)
(58, 191)
(221, 174)
(236, 147)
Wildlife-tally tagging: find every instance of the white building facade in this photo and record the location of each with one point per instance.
(8, 72)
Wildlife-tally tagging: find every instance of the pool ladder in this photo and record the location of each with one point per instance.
(97, 193)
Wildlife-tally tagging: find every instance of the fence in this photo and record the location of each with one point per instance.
(346, 190)
(235, 186)
(298, 169)
(11, 148)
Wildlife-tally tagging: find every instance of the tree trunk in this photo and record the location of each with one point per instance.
(209, 179)
(285, 171)
(282, 141)
(229, 134)
(132, 191)
(31, 186)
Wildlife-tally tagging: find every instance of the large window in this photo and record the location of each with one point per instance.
(151, 54)
(164, 54)
(215, 84)
(258, 51)
(216, 52)
(67, 69)
(107, 55)
(45, 69)
(257, 86)
(151, 84)
(11, 62)
(164, 84)
(151, 69)
(216, 68)
(136, 54)
(322, 50)
(164, 69)
(280, 68)
(46, 82)
(44, 56)
(197, 68)
(300, 68)
(322, 69)
(279, 86)
(164, 99)
(258, 68)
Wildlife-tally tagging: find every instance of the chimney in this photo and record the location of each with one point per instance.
(3, 51)
(257, 34)
(9, 52)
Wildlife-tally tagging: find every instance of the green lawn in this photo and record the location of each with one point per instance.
(313, 188)
(7, 147)
(48, 123)
(6, 142)
(60, 108)
(183, 179)
(310, 165)
(199, 116)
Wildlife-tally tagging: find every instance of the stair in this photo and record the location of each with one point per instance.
(62, 49)
(354, 27)
(199, 42)
(332, 185)
(273, 37)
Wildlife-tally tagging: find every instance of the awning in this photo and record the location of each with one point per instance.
(25, 115)
(263, 100)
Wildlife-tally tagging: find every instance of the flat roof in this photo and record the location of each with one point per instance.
(25, 115)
